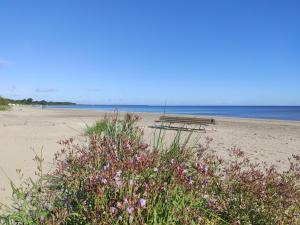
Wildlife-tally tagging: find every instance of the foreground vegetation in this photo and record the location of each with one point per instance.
(115, 178)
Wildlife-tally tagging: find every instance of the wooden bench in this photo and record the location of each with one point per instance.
(182, 123)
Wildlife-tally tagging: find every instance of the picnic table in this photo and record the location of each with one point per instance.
(184, 123)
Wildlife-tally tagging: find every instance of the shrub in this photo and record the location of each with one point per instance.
(118, 179)
(3, 104)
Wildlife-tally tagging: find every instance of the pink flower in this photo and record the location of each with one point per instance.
(203, 169)
(142, 202)
(138, 158)
(103, 181)
(113, 210)
(106, 167)
(118, 179)
(119, 173)
(119, 205)
(127, 145)
(130, 209)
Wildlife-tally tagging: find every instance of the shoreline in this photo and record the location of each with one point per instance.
(223, 118)
(262, 115)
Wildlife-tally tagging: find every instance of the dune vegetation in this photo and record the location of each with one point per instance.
(116, 178)
(3, 104)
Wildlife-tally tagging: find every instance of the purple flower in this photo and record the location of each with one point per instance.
(205, 182)
(118, 179)
(113, 210)
(203, 169)
(127, 145)
(142, 202)
(118, 182)
(211, 203)
(138, 158)
(103, 181)
(130, 209)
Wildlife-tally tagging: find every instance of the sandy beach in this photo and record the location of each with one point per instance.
(26, 130)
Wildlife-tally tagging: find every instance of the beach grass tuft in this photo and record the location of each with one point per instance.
(116, 178)
(3, 104)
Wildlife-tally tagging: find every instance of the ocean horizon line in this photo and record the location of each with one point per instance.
(182, 105)
(259, 112)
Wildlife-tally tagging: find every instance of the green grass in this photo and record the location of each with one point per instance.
(3, 104)
(4, 107)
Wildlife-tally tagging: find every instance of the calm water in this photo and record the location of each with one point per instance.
(263, 112)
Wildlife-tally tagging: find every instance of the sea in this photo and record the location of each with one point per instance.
(258, 112)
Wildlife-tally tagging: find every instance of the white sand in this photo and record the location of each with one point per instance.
(24, 130)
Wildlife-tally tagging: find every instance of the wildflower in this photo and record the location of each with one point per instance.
(119, 173)
(118, 183)
(127, 145)
(106, 166)
(203, 169)
(118, 178)
(142, 202)
(130, 209)
(205, 182)
(144, 146)
(236, 222)
(119, 205)
(137, 158)
(113, 210)
(103, 181)
(212, 203)
(155, 169)
(42, 219)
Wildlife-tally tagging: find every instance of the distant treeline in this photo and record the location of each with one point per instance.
(30, 101)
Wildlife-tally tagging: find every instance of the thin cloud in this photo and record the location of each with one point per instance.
(45, 90)
(4, 63)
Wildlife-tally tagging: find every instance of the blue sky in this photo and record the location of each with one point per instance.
(151, 51)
